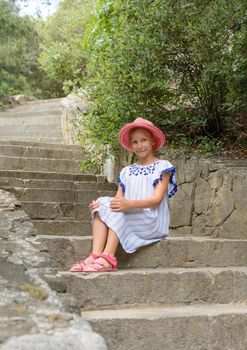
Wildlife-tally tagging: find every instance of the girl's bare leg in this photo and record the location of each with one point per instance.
(100, 232)
(111, 243)
(110, 247)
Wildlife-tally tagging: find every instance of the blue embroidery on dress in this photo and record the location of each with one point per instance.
(171, 180)
(175, 187)
(135, 169)
(121, 184)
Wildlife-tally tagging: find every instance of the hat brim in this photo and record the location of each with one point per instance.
(124, 134)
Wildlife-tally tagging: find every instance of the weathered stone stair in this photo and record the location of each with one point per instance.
(38, 121)
(56, 201)
(185, 293)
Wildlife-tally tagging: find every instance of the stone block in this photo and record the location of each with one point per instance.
(213, 327)
(40, 210)
(181, 231)
(240, 192)
(187, 169)
(202, 196)
(39, 164)
(215, 179)
(200, 226)
(204, 169)
(181, 206)
(65, 250)
(63, 340)
(191, 169)
(235, 225)
(174, 251)
(59, 210)
(179, 164)
(222, 203)
(150, 286)
(62, 227)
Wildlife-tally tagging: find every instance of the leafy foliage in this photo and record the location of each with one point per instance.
(62, 55)
(19, 50)
(180, 64)
(16, 36)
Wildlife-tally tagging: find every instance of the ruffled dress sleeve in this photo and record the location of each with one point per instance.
(166, 167)
(122, 178)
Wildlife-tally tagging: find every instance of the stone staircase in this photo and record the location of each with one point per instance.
(38, 121)
(187, 292)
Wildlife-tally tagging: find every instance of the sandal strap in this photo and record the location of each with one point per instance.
(93, 255)
(112, 260)
(99, 267)
(78, 266)
(95, 266)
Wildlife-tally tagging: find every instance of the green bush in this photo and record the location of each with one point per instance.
(62, 55)
(19, 51)
(180, 64)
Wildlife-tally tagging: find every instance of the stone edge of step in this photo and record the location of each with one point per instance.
(198, 239)
(36, 189)
(212, 270)
(39, 144)
(43, 175)
(31, 113)
(171, 311)
(40, 159)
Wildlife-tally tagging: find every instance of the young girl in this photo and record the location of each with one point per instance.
(138, 215)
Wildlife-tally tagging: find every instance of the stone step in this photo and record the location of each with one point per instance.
(62, 227)
(48, 175)
(37, 105)
(41, 138)
(29, 116)
(41, 145)
(41, 126)
(167, 286)
(57, 210)
(56, 184)
(173, 252)
(39, 164)
(56, 195)
(34, 122)
(34, 108)
(38, 152)
(191, 327)
(40, 130)
(51, 129)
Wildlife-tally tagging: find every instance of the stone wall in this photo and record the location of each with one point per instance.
(31, 315)
(212, 198)
(73, 108)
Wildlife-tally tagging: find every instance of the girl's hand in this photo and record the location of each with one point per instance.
(119, 204)
(93, 205)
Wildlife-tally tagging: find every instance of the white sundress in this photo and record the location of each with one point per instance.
(139, 227)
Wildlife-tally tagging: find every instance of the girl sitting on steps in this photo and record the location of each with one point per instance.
(138, 215)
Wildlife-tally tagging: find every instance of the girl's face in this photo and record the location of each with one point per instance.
(142, 143)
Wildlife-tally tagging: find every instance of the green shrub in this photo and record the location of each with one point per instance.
(179, 64)
(19, 51)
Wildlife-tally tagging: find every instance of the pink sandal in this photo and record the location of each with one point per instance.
(99, 267)
(80, 264)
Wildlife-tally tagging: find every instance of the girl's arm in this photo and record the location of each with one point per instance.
(119, 203)
(94, 204)
(119, 192)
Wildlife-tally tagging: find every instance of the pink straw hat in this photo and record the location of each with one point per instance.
(124, 133)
